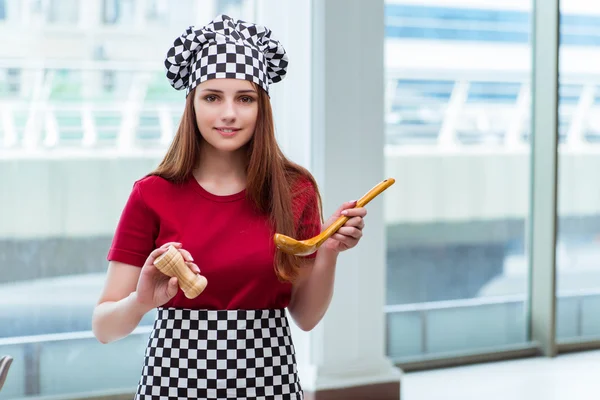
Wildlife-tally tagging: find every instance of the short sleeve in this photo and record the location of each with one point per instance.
(309, 217)
(136, 231)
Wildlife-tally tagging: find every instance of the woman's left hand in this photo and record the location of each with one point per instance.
(350, 233)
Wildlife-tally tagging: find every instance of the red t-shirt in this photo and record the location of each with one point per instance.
(228, 238)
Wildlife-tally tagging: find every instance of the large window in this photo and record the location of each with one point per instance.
(457, 141)
(459, 137)
(74, 136)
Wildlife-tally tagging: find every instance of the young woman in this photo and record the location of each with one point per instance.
(222, 191)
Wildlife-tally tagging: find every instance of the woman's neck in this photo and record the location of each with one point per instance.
(221, 173)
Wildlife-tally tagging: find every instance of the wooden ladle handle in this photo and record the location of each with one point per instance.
(363, 201)
(171, 263)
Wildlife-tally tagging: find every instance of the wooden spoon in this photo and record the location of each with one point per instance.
(306, 247)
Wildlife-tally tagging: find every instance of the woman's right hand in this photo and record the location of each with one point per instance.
(155, 288)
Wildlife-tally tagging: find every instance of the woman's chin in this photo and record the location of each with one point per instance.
(227, 146)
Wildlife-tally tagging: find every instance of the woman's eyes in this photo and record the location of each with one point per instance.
(243, 99)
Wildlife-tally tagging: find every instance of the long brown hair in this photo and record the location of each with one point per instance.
(270, 175)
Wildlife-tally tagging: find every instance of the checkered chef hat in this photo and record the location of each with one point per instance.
(225, 48)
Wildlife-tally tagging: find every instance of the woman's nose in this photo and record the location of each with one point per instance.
(228, 111)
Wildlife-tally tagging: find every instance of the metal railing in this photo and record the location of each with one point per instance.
(111, 105)
(460, 109)
(103, 106)
(567, 326)
(34, 356)
(34, 349)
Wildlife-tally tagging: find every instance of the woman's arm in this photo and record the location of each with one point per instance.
(118, 312)
(313, 290)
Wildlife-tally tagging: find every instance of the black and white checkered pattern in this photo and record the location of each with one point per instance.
(220, 354)
(225, 49)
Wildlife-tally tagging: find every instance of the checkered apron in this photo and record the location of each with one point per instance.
(220, 354)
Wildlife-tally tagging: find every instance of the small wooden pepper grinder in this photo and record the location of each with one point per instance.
(171, 263)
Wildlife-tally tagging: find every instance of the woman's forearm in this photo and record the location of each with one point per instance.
(311, 298)
(113, 320)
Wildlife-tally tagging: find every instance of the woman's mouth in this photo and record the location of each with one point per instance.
(227, 131)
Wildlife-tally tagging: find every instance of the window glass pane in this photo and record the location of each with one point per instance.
(457, 142)
(578, 246)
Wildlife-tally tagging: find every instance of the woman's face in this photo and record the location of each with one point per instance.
(226, 111)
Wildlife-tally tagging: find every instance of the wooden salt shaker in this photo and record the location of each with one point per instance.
(171, 263)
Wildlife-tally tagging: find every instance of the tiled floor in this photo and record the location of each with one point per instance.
(574, 376)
